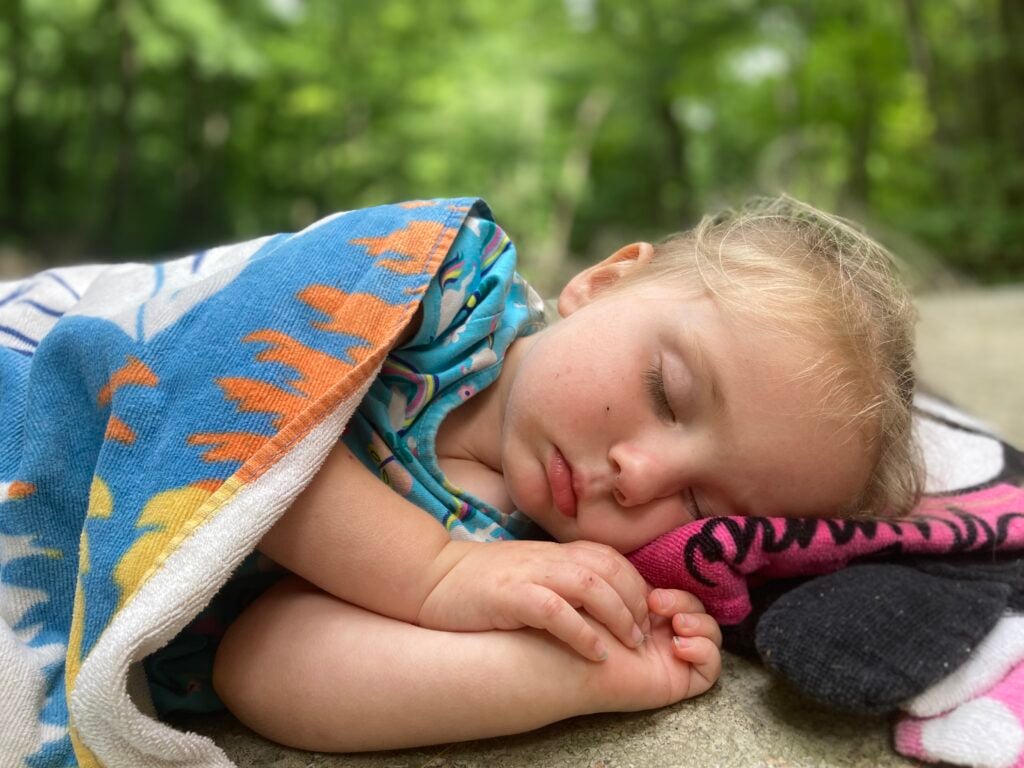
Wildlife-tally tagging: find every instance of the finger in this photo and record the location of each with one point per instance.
(697, 625)
(539, 607)
(668, 602)
(619, 573)
(705, 658)
(582, 587)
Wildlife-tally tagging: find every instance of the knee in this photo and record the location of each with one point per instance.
(248, 666)
(226, 672)
(235, 672)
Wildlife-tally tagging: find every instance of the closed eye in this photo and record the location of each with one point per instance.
(695, 509)
(654, 383)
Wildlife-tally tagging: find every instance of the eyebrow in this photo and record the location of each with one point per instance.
(699, 359)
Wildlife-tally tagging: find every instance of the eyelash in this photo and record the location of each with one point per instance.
(655, 385)
(696, 506)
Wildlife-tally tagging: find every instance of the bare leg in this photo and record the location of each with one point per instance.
(308, 670)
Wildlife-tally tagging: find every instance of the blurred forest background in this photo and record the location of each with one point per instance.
(135, 128)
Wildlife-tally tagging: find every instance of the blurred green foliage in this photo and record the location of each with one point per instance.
(138, 127)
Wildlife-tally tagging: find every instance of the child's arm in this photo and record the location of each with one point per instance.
(354, 537)
(308, 670)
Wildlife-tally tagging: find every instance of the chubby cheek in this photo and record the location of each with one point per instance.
(580, 402)
(620, 538)
(524, 449)
(559, 405)
(628, 529)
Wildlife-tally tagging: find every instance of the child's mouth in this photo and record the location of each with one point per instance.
(560, 479)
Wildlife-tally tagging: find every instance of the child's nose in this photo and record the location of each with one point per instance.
(643, 475)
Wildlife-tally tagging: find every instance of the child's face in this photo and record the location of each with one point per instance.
(590, 451)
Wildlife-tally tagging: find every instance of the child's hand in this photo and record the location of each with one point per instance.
(514, 584)
(661, 672)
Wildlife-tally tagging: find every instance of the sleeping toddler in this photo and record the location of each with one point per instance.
(759, 364)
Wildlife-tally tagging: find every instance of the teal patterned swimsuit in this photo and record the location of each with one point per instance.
(474, 308)
(472, 311)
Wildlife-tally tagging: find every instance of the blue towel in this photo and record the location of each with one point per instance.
(157, 420)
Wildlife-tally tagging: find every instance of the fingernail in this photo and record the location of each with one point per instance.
(638, 635)
(602, 651)
(662, 599)
(683, 621)
(681, 642)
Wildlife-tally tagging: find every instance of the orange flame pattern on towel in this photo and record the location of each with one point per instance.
(355, 314)
(133, 372)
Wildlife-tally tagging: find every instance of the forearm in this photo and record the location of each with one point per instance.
(313, 672)
(354, 537)
(491, 683)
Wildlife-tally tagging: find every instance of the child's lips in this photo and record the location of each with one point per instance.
(560, 480)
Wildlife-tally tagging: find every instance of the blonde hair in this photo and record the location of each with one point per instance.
(819, 276)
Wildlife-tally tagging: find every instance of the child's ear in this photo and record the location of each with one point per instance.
(586, 286)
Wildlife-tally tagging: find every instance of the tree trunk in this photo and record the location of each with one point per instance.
(16, 160)
(923, 63)
(120, 183)
(572, 182)
(858, 183)
(857, 189)
(678, 192)
(191, 188)
(1011, 29)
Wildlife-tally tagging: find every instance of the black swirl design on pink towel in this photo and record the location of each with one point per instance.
(715, 558)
